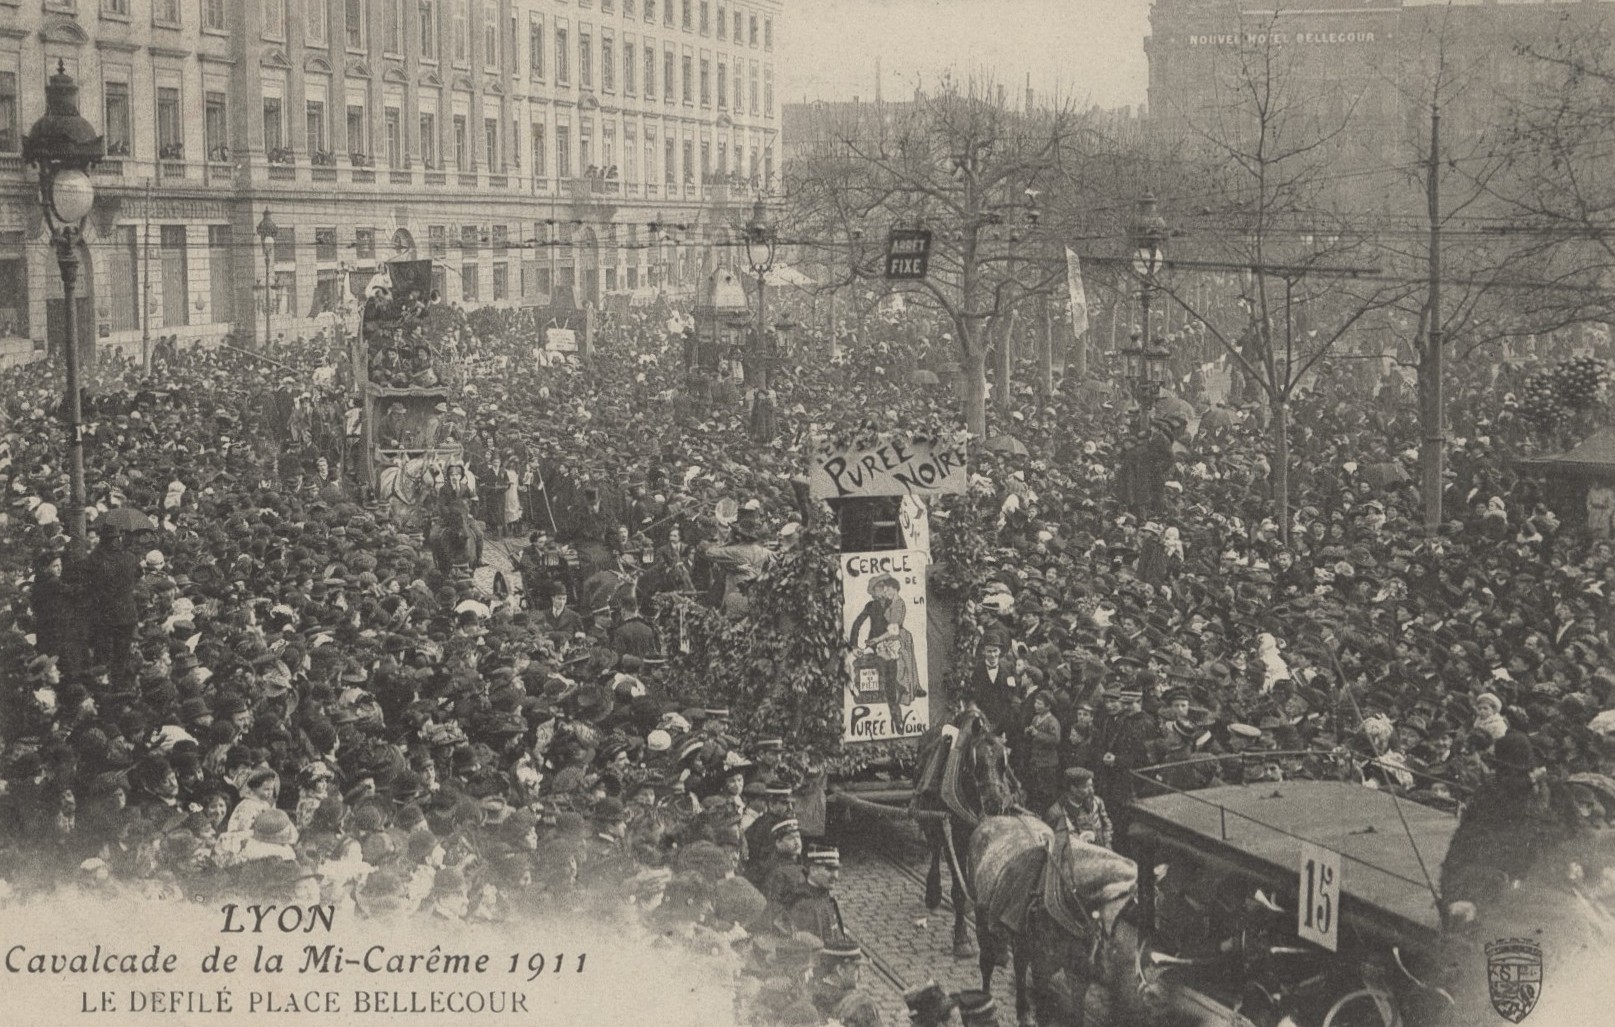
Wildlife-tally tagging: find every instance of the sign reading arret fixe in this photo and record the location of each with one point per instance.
(908, 254)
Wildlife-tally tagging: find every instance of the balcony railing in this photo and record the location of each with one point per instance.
(282, 172)
(437, 177)
(498, 182)
(399, 176)
(323, 174)
(468, 179)
(220, 174)
(364, 176)
(171, 169)
(109, 168)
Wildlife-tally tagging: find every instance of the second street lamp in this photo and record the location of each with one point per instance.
(267, 230)
(63, 146)
(1148, 362)
(760, 244)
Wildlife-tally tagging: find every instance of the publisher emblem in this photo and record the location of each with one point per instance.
(1514, 976)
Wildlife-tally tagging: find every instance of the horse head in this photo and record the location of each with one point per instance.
(997, 789)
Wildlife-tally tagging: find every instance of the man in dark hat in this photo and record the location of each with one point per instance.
(993, 687)
(928, 1005)
(1503, 830)
(558, 620)
(813, 907)
(836, 979)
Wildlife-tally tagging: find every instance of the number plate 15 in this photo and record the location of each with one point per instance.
(1318, 911)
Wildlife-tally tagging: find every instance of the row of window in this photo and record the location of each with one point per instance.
(458, 34)
(170, 13)
(681, 77)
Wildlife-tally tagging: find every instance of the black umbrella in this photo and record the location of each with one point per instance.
(127, 518)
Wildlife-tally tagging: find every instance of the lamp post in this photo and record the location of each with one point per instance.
(760, 244)
(1146, 361)
(267, 231)
(63, 146)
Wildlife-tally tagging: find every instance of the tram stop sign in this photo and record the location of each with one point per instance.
(908, 254)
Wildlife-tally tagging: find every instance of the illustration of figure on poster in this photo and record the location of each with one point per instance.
(885, 614)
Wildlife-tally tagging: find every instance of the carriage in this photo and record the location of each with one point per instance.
(1216, 936)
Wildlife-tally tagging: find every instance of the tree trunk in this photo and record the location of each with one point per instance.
(1045, 350)
(1006, 363)
(1432, 455)
(975, 390)
(1280, 429)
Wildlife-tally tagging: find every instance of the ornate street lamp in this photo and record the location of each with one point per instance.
(760, 243)
(267, 230)
(63, 146)
(1147, 363)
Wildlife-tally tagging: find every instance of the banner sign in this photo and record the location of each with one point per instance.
(883, 620)
(900, 466)
(561, 340)
(908, 254)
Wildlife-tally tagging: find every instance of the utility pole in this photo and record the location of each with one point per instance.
(1432, 412)
(145, 288)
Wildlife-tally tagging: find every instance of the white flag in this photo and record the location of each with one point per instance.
(1079, 299)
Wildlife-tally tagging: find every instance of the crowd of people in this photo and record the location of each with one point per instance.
(273, 688)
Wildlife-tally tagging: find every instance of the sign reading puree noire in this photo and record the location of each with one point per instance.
(895, 466)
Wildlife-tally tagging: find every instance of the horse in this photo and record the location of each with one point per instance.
(963, 778)
(1054, 900)
(407, 488)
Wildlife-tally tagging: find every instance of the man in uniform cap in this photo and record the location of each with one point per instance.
(812, 906)
(781, 874)
(836, 994)
(777, 799)
(976, 1009)
(928, 1005)
(1121, 737)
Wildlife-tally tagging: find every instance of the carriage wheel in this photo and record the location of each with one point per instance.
(1364, 1008)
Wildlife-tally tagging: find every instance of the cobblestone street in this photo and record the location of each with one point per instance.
(884, 909)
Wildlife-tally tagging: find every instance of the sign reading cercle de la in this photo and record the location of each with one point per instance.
(894, 466)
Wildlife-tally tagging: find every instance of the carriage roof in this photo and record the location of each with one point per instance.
(1257, 830)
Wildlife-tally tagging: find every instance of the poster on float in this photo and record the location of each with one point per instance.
(883, 625)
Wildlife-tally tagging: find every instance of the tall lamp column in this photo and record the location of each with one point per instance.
(267, 230)
(63, 146)
(760, 243)
(1147, 362)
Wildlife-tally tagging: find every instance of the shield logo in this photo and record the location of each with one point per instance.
(1514, 976)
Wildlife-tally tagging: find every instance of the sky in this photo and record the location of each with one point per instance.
(1091, 50)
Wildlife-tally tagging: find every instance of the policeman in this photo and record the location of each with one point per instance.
(777, 799)
(836, 994)
(783, 874)
(812, 907)
(976, 1009)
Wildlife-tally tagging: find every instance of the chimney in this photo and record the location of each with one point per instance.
(1002, 94)
(1028, 92)
(877, 81)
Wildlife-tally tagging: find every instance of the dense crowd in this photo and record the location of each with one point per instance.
(275, 689)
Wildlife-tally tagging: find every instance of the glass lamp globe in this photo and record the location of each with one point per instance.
(72, 194)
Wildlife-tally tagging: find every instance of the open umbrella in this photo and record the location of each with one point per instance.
(127, 518)
(923, 377)
(1006, 444)
(1388, 473)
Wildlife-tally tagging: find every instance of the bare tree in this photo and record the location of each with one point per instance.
(965, 165)
(1263, 149)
